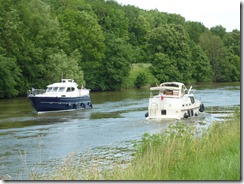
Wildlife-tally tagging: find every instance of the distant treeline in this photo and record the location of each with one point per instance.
(96, 41)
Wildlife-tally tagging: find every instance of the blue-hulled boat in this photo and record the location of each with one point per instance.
(62, 96)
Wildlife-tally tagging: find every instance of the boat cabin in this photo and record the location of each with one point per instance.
(66, 85)
(65, 88)
(171, 89)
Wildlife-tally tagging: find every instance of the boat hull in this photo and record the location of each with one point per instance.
(173, 113)
(49, 104)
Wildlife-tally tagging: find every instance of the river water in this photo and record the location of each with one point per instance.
(37, 143)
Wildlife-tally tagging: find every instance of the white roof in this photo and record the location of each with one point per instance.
(179, 84)
(64, 83)
(168, 85)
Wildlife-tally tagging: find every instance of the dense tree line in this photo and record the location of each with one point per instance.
(96, 41)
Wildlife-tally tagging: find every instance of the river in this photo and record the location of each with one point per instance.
(35, 143)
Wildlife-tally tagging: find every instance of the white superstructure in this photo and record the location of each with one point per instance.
(173, 101)
(65, 88)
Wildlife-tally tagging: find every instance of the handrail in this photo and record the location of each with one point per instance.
(36, 91)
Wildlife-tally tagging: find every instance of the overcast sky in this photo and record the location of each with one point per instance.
(208, 12)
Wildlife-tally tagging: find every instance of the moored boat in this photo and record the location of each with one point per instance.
(61, 96)
(173, 101)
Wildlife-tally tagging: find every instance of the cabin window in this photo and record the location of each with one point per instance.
(70, 89)
(55, 89)
(192, 99)
(176, 93)
(170, 92)
(61, 89)
(49, 89)
(163, 112)
(183, 90)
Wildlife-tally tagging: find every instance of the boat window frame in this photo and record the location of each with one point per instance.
(49, 89)
(183, 88)
(70, 89)
(61, 89)
(192, 99)
(55, 89)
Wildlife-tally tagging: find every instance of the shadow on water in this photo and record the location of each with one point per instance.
(102, 135)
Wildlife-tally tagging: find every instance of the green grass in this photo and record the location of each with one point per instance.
(181, 155)
(177, 154)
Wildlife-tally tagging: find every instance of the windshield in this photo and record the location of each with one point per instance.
(49, 89)
(55, 89)
(61, 89)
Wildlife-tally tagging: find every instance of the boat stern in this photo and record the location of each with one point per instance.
(159, 108)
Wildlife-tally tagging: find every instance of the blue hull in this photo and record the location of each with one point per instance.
(47, 104)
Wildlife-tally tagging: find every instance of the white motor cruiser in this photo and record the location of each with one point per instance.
(173, 101)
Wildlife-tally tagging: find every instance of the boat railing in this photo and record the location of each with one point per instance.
(36, 91)
(84, 92)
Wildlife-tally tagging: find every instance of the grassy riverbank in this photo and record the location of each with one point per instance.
(178, 154)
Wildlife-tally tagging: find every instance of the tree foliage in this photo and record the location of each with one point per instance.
(96, 41)
(141, 80)
(116, 64)
(10, 77)
(170, 47)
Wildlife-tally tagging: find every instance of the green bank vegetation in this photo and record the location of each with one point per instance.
(140, 75)
(96, 42)
(180, 153)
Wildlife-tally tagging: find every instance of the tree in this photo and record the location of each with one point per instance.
(232, 41)
(225, 64)
(111, 18)
(142, 27)
(195, 29)
(165, 68)
(141, 80)
(176, 19)
(213, 46)
(85, 35)
(42, 38)
(202, 68)
(156, 18)
(62, 65)
(11, 35)
(132, 13)
(10, 75)
(116, 64)
(218, 31)
(173, 42)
